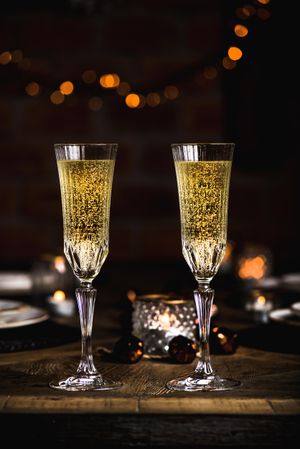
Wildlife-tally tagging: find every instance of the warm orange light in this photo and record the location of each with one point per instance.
(240, 30)
(95, 104)
(32, 89)
(263, 13)
(66, 87)
(261, 300)
(57, 97)
(252, 268)
(123, 89)
(131, 295)
(109, 80)
(89, 76)
(59, 296)
(235, 53)
(132, 100)
(153, 99)
(228, 64)
(210, 73)
(17, 56)
(171, 92)
(228, 253)
(264, 2)
(5, 57)
(60, 264)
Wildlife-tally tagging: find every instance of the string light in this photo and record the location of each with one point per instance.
(5, 57)
(235, 53)
(241, 30)
(32, 89)
(132, 100)
(57, 97)
(112, 81)
(66, 88)
(171, 92)
(153, 99)
(109, 80)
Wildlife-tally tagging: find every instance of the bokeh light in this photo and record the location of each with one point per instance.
(153, 99)
(57, 97)
(228, 64)
(171, 92)
(5, 57)
(132, 100)
(235, 53)
(32, 89)
(240, 30)
(109, 80)
(66, 88)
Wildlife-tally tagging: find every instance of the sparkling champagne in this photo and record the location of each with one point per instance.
(86, 193)
(203, 196)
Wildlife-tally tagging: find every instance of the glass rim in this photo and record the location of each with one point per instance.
(202, 143)
(91, 144)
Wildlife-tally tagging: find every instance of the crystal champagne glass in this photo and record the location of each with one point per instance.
(203, 178)
(85, 176)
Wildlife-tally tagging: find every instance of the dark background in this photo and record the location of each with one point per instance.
(149, 44)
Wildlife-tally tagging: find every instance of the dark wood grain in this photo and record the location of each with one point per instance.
(263, 412)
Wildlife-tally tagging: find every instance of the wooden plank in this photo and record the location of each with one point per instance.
(63, 404)
(199, 405)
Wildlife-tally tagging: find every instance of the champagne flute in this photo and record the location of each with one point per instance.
(85, 176)
(203, 178)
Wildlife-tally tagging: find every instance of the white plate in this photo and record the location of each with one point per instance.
(295, 307)
(7, 305)
(285, 316)
(16, 314)
(291, 281)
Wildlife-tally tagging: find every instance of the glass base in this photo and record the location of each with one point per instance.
(93, 382)
(197, 382)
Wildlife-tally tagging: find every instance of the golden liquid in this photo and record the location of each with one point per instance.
(203, 188)
(86, 194)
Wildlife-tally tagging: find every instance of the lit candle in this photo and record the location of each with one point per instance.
(60, 304)
(157, 318)
(260, 305)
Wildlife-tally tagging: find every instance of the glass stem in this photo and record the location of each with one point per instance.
(86, 297)
(204, 296)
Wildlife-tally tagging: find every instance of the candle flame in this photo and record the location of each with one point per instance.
(261, 300)
(59, 296)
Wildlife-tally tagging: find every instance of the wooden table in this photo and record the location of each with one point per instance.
(263, 412)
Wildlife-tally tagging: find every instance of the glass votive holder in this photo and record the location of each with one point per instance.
(157, 318)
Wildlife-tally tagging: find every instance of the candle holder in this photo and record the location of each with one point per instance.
(157, 318)
(259, 303)
(61, 305)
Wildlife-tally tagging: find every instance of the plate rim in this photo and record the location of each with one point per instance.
(44, 315)
(288, 312)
